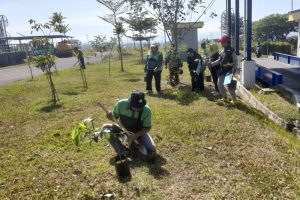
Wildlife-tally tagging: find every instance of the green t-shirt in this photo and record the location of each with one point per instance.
(129, 118)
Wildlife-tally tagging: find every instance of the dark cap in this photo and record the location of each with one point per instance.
(137, 99)
(224, 39)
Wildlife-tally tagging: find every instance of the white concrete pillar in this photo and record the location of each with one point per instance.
(298, 46)
(248, 74)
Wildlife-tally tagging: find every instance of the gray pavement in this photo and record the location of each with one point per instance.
(14, 73)
(291, 75)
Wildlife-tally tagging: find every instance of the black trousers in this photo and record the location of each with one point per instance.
(157, 78)
(174, 76)
(197, 81)
(214, 74)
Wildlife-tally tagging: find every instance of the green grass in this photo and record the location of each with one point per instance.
(207, 150)
(279, 103)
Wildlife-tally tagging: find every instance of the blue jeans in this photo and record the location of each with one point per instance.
(145, 140)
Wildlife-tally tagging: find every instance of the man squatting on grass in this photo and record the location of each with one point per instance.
(228, 64)
(135, 115)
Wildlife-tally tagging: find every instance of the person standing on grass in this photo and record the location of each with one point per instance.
(214, 49)
(174, 63)
(193, 59)
(228, 64)
(206, 51)
(79, 54)
(153, 67)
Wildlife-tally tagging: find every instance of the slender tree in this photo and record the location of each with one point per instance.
(43, 57)
(117, 7)
(169, 13)
(143, 25)
(112, 43)
(99, 44)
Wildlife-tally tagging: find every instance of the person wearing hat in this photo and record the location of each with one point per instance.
(193, 59)
(136, 116)
(228, 64)
(79, 54)
(153, 67)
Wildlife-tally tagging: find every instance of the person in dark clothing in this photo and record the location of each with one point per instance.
(214, 49)
(197, 75)
(79, 54)
(228, 65)
(153, 67)
(174, 63)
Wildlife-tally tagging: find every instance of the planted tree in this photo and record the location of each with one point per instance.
(112, 43)
(143, 25)
(43, 50)
(169, 13)
(99, 44)
(117, 8)
(28, 61)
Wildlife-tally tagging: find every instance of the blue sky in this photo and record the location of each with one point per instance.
(82, 15)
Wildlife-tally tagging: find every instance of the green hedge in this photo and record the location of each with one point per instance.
(271, 47)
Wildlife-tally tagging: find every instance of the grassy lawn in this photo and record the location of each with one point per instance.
(207, 150)
(278, 103)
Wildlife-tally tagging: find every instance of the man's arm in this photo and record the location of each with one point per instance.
(159, 62)
(215, 63)
(235, 62)
(135, 136)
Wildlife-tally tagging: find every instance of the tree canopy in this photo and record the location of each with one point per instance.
(274, 27)
(169, 13)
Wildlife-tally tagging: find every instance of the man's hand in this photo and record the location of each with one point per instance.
(155, 69)
(208, 64)
(131, 136)
(110, 116)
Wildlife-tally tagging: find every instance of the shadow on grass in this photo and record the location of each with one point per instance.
(154, 166)
(70, 93)
(244, 108)
(183, 95)
(285, 95)
(133, 79)
(50, 108)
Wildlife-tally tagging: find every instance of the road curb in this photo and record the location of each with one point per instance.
(248, 97)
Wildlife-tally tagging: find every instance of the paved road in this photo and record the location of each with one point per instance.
(291, 73)
(18, 72)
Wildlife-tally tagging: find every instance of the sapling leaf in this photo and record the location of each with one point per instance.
(87, 120)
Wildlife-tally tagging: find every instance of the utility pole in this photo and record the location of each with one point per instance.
(237, 27)
(228, 7)
(292, 5)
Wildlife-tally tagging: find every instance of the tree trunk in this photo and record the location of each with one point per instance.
(52, 87)
(120, 53)
(30, 71)
(141, 51)
(109, 63)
